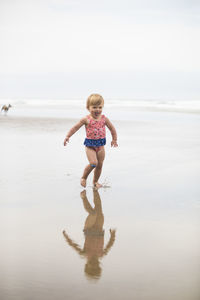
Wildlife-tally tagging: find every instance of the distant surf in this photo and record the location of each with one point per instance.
(122, 109)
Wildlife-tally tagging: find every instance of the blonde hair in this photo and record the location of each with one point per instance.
(94, 99)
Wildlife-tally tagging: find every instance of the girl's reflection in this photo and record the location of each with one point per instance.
(93, 248)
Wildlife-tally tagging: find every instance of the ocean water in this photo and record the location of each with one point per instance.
(118, 109)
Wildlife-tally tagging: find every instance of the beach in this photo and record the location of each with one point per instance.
(146, 240)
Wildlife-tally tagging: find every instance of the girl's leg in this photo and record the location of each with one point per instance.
(97, 172)
(92, 158)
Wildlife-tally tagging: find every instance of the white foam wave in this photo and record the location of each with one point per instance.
(75, 108)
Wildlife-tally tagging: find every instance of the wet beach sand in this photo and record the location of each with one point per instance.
(135, 238)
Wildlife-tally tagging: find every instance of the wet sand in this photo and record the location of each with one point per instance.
(136, 238)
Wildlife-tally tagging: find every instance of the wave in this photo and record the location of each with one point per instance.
(109, 102)
(118, 108)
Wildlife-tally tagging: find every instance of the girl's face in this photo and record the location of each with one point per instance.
(95, 111)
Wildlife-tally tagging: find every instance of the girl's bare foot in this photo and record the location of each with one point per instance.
(97, 185)
(83, 182)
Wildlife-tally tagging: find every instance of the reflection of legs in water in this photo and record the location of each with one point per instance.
(94, 221)
(86, 203)
(97, 201)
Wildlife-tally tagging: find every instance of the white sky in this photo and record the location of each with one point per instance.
(129, 48)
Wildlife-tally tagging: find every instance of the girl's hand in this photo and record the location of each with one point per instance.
(112, 231)
(66, 140)
(114, 143)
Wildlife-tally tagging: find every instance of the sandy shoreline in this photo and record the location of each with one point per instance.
(151, 198)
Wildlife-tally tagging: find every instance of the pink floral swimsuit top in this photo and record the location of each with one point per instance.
(95, 132)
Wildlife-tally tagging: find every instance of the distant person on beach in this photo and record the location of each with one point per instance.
(95, 140)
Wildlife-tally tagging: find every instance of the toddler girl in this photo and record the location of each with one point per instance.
(95, 140)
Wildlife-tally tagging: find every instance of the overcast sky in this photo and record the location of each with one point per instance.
(122, 48)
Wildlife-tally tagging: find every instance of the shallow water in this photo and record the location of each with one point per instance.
(151, 207)
(154, 253)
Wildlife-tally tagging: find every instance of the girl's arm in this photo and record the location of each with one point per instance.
(113, 133)
(111, 241)
(73, 244)
(75, 128)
